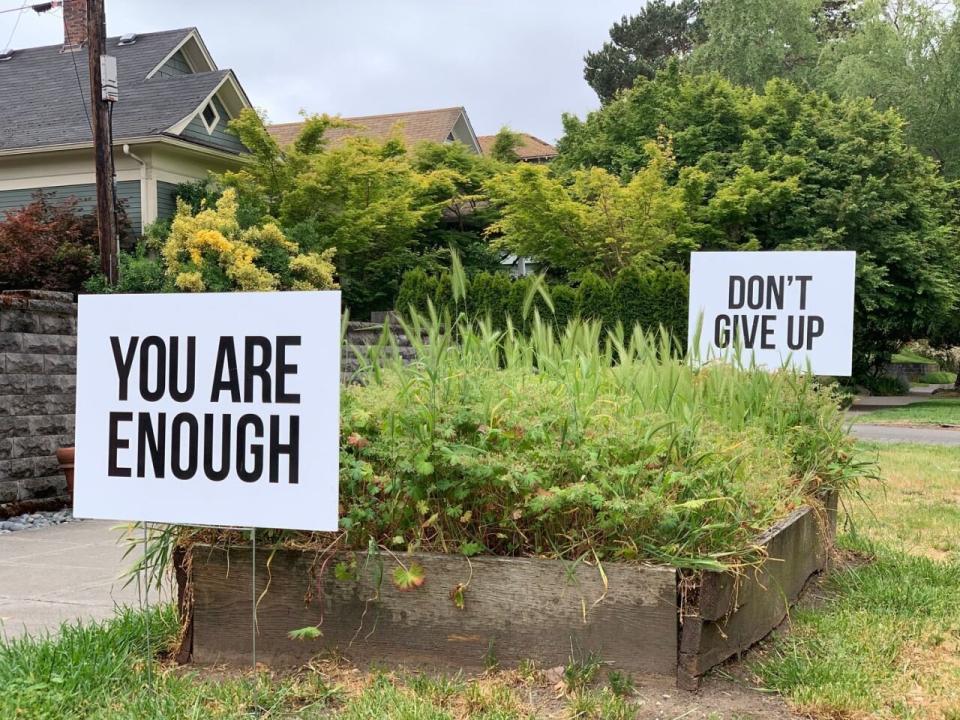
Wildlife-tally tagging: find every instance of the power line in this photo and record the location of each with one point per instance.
(83, 102)
(15, 25)
(37, 8)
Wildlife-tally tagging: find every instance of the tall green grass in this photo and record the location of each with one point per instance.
(579, 445)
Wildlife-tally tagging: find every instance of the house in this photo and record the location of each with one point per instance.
(532, 149)
(169, 125)
(443, 125)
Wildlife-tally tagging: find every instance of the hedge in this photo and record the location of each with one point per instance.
(649, 298)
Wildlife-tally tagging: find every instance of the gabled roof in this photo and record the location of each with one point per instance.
(42, 102)
(417, 126)
(533, 148)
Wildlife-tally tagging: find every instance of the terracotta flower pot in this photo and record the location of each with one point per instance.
(65, 458)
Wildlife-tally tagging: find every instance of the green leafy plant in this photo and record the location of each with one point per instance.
(621, 683)
(408, 577)
(311, 632)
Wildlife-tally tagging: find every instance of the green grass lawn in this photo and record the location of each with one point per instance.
(925, 412)
(887, 642)
(909, 357)
(941, 377)
(97, 672)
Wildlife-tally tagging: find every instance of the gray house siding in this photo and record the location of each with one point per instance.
(176, 65)
(219, 138)
(166, 200)
(128, 191)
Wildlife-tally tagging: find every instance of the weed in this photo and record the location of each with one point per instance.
(579, 674)
(621, 683)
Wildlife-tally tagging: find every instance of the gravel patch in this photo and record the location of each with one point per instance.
(34, 521)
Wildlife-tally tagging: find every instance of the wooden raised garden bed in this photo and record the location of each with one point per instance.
(638, 618)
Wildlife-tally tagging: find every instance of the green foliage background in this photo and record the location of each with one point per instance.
(649, 299)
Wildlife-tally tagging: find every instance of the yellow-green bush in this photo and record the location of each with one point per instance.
(208, 251)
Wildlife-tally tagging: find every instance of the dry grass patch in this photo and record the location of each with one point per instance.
(887, 644)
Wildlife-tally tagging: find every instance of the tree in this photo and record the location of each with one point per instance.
(788, 169)
(906, 55)
(458, 176)
(505, 144)
(642, 44)
(386, 208)
(588, 220)
(753, 41)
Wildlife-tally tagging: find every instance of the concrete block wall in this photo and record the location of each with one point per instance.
(38, 345)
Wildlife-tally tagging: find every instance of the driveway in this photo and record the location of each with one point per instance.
(905, 434)
(62, 573)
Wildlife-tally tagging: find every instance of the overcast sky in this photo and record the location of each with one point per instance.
(509, 62)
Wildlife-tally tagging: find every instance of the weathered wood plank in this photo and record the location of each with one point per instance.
(514, 609)
(734, 612)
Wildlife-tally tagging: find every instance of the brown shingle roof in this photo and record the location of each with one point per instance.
(433, 125)
(533, 148)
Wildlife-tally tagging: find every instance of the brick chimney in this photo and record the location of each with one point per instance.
(74, 24)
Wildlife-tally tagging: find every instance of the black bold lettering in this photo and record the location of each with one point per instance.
(775, 292)
(755, 292)
(157, 344)
(795, 342)
(748, 326)
(255, 450)
(291, 449)
(259, 369)
(155, 442)
(124, 364)
(803, 280)
(175, 392)
(226, 360)
(284, 368)
(216, 474)
(117, 443)
(766, 332)
(184, 472)
(736, 292)
(721, 331)
(814, 329)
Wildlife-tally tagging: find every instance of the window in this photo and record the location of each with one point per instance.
(210, 117)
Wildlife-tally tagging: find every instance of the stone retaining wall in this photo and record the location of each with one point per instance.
(911, 372)
(37, 391)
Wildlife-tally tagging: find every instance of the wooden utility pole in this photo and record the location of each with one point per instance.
(102, 142)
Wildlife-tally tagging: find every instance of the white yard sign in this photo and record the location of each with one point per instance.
(209, 409)
(777, 306)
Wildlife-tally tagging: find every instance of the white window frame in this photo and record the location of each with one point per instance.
(203, 117)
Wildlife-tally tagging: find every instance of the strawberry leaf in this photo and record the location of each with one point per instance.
(311, 632)
(408, 578)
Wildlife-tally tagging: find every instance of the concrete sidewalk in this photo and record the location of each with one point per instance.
(932, 435)
(62, 573)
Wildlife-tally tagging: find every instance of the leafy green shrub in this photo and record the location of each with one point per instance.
(941, 377)
(649, 298)
(564, 305)
(534, 444)
(595, 299)
(139, 273)
(488, 296)
(415, 289)
(886, 385)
